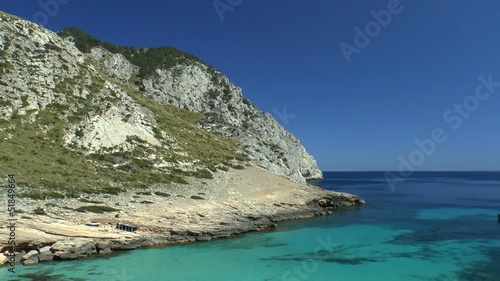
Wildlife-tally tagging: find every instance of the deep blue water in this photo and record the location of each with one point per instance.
(432, 226)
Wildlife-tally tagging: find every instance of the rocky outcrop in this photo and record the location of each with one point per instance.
(31, 257)
(74, 248)
(103, 247)
(41, 71)
(33, 62)
(45, 254)
(114, 64)
(332, 202)
(112, 129)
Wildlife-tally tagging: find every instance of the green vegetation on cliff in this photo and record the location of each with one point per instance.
(148, 59)
(33, 147)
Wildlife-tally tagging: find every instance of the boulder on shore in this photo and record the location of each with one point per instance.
(45, 254)
(104, 247)
(31, 257)
(74, 248)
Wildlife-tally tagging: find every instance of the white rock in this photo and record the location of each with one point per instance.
(45, 249)
(31, 260)
(116, 64)
(74, 248)
(45, 254)
(31, 254)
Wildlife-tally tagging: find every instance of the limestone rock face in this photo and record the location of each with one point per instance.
(3, 259)
(25, 49)
(115, 64)
(40, 72)
(200, 88)
(74, 248)
(110, 129)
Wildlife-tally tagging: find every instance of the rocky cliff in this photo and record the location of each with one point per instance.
(159, 115)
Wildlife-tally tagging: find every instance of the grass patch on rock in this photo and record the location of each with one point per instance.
(144, 193)
(84, 200)
(238, 167)
(162, 194)
(40, 212)
(203, 174)
(96, 209)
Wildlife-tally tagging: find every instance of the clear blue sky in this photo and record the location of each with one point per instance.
(351, 116)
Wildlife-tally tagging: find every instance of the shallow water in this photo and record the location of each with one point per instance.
(434, 226)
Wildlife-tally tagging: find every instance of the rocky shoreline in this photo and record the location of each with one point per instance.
(234, 202)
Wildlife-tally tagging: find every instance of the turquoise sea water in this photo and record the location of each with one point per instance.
(433, 226)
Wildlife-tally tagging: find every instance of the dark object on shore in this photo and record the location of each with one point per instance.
(93, 223)
(130, 227)
(498, 217)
